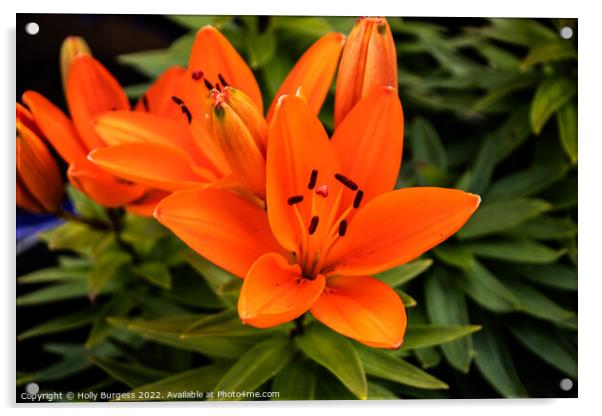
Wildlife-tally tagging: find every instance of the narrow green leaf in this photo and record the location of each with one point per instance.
(420, 336)
(53, 274)
(559, 50)
(132, 375)
(400, 275)
(106, 267)
(60, 324)
(550, 96)
(85, 206)
(527, 182)
(523, 32)
(516, 250)
(483, 166)
(55, 293)
(225, 323)
(485, 289)
(446, 305)
(537, 304)
(428, 357)
(546, 228)
(260, 48)
(188, 288)
(500, 216)
(454, 255)
(408, 301)
(495, 363)
(557, 276)
(257, 365)
(73, 236)
(117, 306)
(296, 381)
(337, 354)
(215, 276)
(426, 144)
(497, 94)
(548, 344)
(567, 126)
(384, 364)
(378, 392)
(155, 272)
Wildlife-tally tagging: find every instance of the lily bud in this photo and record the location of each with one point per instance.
(239, 133)
(72, 47)
(39, 183)
(368, 61)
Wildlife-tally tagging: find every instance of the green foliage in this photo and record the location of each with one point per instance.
(490, 107)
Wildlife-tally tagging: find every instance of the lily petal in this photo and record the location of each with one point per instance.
(145, 206)
(92, 90)
(313, 72)
(157, 99)
(369, 142)
(298, 145)
(399, 226)
(56, 127)
(362, 308)
(213, 60)
(275, 292)
(225, 228)
(151, 164)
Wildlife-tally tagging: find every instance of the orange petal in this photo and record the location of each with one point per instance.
(105, 189)
(55, 125)
(298, 145)
(72, 47)
(25, 118)
(120, 127)
(362, 308)
(228, 230)
(369, 60)
(213, 61)
(26, 200)
(313, 72)
(369, 143)
(92, 90)
(145, 206)
(151, 164)
(275, 292)
(157, 99)
(399, 226)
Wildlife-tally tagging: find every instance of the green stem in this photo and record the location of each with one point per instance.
(91, 222)
(116, 217)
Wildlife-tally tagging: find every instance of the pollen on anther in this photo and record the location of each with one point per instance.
(197, 75)
(295, 199)
(313, 224)
(346, 181)
(342, 228)
(322, 190)
(358, 199)
(312, 179)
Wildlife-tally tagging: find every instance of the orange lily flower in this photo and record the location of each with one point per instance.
(332, 221)
(39, 182)
(368, 61)
(216, 69)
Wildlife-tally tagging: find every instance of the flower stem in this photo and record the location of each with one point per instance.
(299, 327)
(116, 216)
(92, 222)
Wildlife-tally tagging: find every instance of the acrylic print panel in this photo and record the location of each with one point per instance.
(216, 208)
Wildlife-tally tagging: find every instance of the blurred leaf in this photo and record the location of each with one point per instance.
(428, 357)
(523, 32)
(516, 250)
(493, 96)
(526, 182)
(199, 379)
(132, 375)
(260, 47)
(407, 300)
(485, 289)
(215, 276)
(550, 96)
(557, 276)
(71, 363)
(495, 217)
(537, 304)
(384, 364)
(192, 22)
(257, 365)
(426, 144)
(563, 194)
(495, 363)
(400, 275)
(225, 323)
(54, 274)
(483, 166)
(136, 91)
(117, 306)
(513, 132)
(420, 336)
(567, 127)
(73, 236)
(548, 344)
(275, 71)
(106, 267)
(546, 228)
(155, 272)
(189, 289)
(336, 354)
(558, 50)
(55, 293)
(296, 381)
(454, 255)
(86, 207)
(446, 305)
(378, 392)
(310, 27)
(60, 324)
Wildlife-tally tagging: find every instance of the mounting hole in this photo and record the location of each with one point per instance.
(566, 384)
(566, 32)
(32, 28)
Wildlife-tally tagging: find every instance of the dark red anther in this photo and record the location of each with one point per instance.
(313, 224)
(312, 179)
(358, 199)
(295, 199)
(208, 84)
(186, 111)
(177, 100)
(346, 181)
(222, 80)
(342, 228)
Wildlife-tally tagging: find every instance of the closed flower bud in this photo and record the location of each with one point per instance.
(72, 47)
(39, 183)
(239, 134)
(368, 61)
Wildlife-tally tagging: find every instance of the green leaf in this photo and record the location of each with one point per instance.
(549, 52)
(60, 324)
(495, 363)
(155, 272)
(378, 392)
(516, 250)
(550, 96)
(557, 276)
(485, 289)
(548, 344)
(567, 127)
(536, 304)
(384, 364)
(523, 32)
(500, 216)
(420, 336)
(173, 387)
(215, 276)
(426, 144)
(191, 22)
(498, 93)
(130, 374)
(53, 274)
(407, 300)
(296, 381)
(56, 293)
(190, 289)
(73, 236)
(446, 305)
(428, 357)
(546, 228)
(337, 355)
(527, 182)
(117, 306)
(483, 166)
(86, 207)
(454, 255)
(107, 265)
(400, 275)
(225, 323)
(260, 47)
(257, 365)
